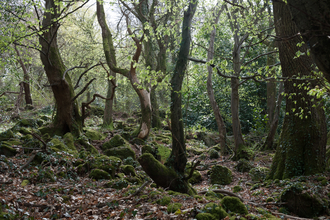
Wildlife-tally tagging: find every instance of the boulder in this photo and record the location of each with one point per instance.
(221, 175)
(259, 173)
(300, 202)
(217, 211)
(121, 152)
(116, 141)
(99, 174)
(243, 165)
(234, 204)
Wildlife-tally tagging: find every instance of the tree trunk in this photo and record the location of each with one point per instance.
(109, 51)
(107, 117)
(312, 19)
(178, 157)
(156, 122)
(26, 81)
(210, 92)
(67, 117)
(301, 149)
(271, 89)
(268, 145)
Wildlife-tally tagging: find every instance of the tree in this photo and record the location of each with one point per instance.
(301, 147)
(131, 74)
(312, 19)
(172, 175)
(67, 117)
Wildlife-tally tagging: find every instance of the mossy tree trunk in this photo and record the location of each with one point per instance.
(312, 19)
(301, 148)
(178, 157)
(109, 51)
(108, 109)
(67, 118)
(26, 77)
(156, 122)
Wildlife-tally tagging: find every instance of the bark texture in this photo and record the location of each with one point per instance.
(67, 118)
(26, 82)
(178, 158)
(301, 148)
(210, 92)
(109, 51)
(312, 18)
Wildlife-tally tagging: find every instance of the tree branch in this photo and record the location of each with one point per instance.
(83, 90)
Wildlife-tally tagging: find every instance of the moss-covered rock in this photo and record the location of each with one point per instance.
(244, 152)
(6, 135)
(207, 138)
(217, 211)
(133, 179)
(121, 152)
(196, 177)
(259, 173)
(128, 170)
(165, 200)
(99, 174)
(96, 110)
(233, 204)
(205, 216)
(130, 121)
(94, 135)
(301, 202)
(107, 163)
(213, 154)
(82, 140)
(237, 189)
(33, 123)
(116, 141)
(220, 175)
(243, 165)
(214, 196)
(7, 150)
(117, 184)
(173, 207)
(57, 145)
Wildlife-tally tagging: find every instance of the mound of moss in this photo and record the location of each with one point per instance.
(121, 152)
(128, 170)
(234, 204)
(173, 207)
(217, 211)
(220, 175)
(259, 173)
(99, 174)
(243, 165)
(116, 141)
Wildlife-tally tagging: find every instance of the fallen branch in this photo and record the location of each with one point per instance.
(34, 153)
(9, 182)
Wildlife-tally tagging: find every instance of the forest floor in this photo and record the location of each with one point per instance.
(79, 197)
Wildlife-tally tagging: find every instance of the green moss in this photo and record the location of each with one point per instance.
(94, 135)
(57, 145)
(117, 184)
(237, 189)
(99, 174)
(116, 141)
(82, 140)
(217, 211)
(121, 152)
(173, 207)
(213, 195)
(213, 154)
(165, 200)
(205, 216)
(259, 173)
(133, 179)
(25, 182)
(270, 199)
(300, 202)
(128, 170)
(108, 164)
(233, 204)
(7, 150)
(144, 197)
(321, 178)
(243, 165)
(220, 175)
(243, 152)
(6, 135)
(324, 182)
